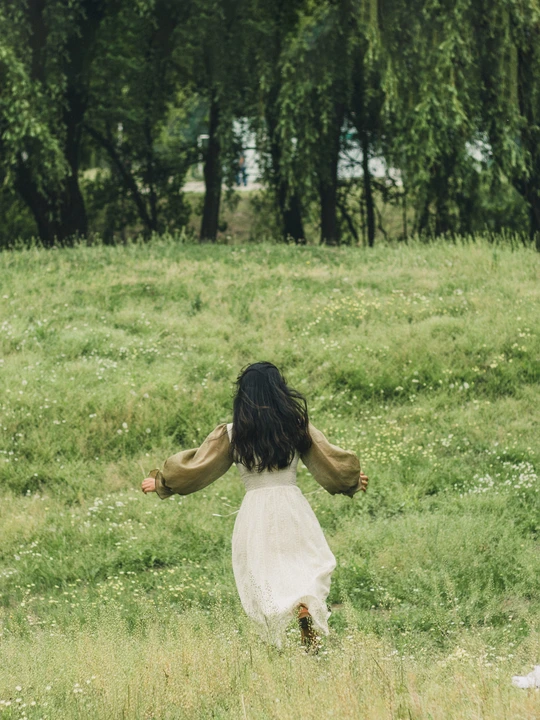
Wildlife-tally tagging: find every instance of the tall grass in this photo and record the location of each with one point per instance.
(423, 359)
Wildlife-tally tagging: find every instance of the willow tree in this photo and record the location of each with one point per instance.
(432, 105)
(527, 41)
(272, 27)
(367, 100)
(509, 42)
(313, 102)
(46, 50)
(133, 84)
(210, 58)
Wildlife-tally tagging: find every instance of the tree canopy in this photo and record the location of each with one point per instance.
(107, 106)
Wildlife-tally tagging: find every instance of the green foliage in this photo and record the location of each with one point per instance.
(132, 89)
(102, 104)
(15, 219)
(28, 108)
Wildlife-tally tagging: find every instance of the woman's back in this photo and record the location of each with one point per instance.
(254, 480)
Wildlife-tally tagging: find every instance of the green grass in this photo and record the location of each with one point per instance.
(425, 360)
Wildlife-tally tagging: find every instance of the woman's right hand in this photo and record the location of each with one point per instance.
(148, 485)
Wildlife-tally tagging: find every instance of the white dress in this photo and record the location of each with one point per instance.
(280, 556)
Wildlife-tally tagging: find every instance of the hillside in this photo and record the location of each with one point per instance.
(425, 360)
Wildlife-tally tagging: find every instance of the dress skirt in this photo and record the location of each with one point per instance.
(280, 558)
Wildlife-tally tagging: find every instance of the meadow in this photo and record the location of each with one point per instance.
(423, 359)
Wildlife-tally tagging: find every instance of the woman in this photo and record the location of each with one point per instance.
(281, 561)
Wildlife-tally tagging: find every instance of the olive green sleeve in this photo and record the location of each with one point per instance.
(337, 470)
(192, 470)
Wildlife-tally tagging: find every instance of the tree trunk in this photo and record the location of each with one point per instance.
(72, 209)
(530, 137)
(150, 176)
(329, 224)
(422, 224)
(368, 192)
(291, 215)
(212, 178)
(40, 207)
(533, 198)
(73, 212)
(528, 189)
(443, 192)
(60, 215)
(328, 183)
(128, 179)
(59, 210)
(404, 215)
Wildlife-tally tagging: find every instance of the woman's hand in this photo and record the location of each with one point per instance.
(363, 482)
(361, 486)
(148, 485)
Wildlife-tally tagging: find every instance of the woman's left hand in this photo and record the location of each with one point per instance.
(148, 485)
(363, 482)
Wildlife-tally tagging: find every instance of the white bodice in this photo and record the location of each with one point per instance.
(254, 480)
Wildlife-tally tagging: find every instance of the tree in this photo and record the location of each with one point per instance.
(313, 100)
(272, 27)
(328, 71)
(367, 98)
(509, 40)
(210, 57)
(432, 105)
(46, 50)
(134, 83)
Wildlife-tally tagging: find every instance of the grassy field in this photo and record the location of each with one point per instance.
(425, 360)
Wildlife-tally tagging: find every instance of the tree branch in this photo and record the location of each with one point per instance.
(129, 181)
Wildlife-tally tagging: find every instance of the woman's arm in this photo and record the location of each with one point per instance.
(337, 470)
(192, 470)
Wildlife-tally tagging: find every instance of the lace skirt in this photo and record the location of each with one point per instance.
(280, 559)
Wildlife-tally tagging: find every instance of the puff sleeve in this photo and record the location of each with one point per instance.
(337, 470)
(192, 470)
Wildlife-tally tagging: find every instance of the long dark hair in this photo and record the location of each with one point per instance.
(270, 419)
